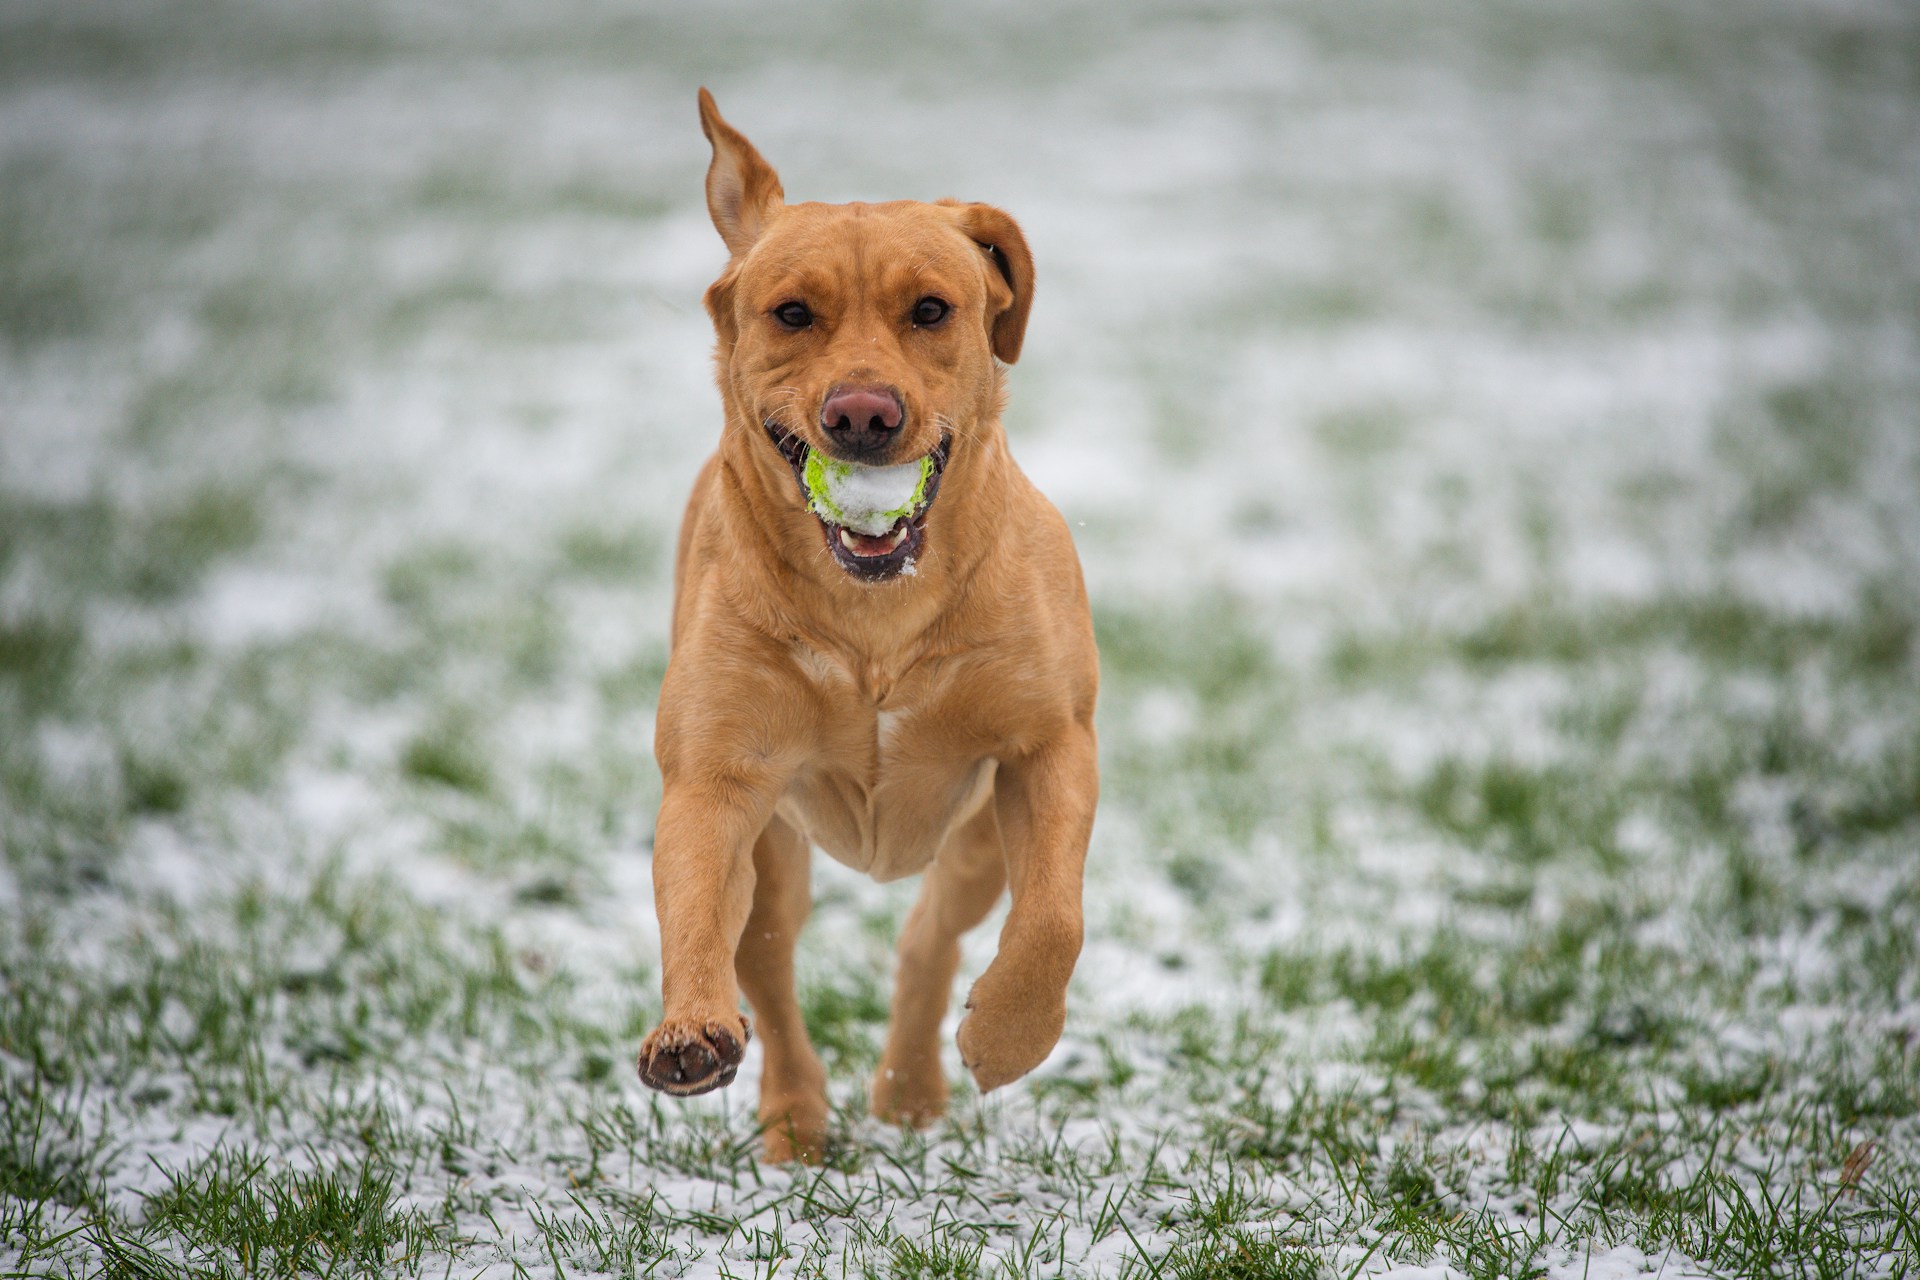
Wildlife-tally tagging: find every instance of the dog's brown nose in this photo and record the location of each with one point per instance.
(862, 419)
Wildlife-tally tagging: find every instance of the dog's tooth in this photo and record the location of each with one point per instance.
(855, 543)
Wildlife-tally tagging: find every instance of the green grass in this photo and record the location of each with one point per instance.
(1511, 680)
(279, 1221)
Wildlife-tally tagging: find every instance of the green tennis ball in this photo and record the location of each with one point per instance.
(869, 500)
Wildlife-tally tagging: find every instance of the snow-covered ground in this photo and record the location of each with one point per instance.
(1490, 434)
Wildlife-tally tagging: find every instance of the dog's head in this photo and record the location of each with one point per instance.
(867, 332)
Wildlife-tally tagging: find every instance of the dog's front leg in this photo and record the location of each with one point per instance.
(703, 891)
(1018, 1007)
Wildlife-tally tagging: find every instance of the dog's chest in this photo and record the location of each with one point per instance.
(890, 778)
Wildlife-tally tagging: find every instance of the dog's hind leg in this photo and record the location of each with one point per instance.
(958, 891)
(793, 1084)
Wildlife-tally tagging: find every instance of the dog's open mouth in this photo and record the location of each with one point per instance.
(872, 551)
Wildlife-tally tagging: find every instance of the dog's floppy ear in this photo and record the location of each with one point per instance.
(997, 233)
(743, 191)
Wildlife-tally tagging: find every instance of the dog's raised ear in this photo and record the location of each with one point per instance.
(995, 231)
(743, 191)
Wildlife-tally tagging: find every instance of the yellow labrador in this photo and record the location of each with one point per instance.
(918, 699)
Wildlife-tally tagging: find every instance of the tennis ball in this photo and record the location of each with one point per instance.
(869, 500)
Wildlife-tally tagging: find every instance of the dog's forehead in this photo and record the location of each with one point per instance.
(881, 245)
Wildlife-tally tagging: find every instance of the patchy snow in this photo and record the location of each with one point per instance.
(1416, 374)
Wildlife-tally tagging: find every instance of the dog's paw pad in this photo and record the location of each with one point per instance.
(686, 1061)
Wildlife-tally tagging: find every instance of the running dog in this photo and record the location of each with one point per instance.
(914, 700)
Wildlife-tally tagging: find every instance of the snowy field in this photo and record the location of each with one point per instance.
(1492, 433)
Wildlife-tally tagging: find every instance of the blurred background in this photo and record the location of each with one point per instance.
(1489, 430)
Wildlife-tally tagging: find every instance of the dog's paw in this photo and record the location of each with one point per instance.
(686, 1057)
(793, 1131)
(913, 1097)
(1007, 1033)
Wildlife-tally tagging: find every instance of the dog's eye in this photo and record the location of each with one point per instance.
(929, 311)
(794, 315)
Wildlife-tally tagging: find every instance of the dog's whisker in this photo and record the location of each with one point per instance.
(960, 434)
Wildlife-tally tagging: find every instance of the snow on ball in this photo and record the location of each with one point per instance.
(869, 500)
